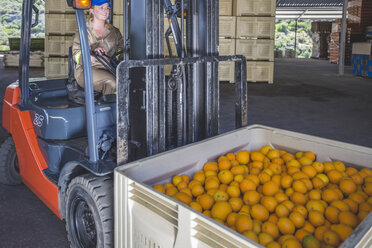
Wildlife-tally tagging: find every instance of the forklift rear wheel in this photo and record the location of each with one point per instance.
(89, 211)
(9, 168)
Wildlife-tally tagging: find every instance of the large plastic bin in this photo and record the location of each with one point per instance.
(146, 218)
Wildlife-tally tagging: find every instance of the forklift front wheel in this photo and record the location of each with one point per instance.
(9, 168)
(89, 211)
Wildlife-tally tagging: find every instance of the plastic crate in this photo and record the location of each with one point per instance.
(227, 47)
(227, 26)
(226, 71)
(118, 7)
(255, 49)
(146, 218)
(255, 27)
(57, 6)
(56, 68)
(260, 72)
(254, 7)
(58, 45)
(226, 7)
(118, 22)
(12, 59)
(60, 24)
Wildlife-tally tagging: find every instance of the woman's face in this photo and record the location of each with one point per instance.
(100, 12)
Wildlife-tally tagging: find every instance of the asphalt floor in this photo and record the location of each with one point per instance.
(308, 96)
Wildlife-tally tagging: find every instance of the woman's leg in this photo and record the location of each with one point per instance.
(103, 81)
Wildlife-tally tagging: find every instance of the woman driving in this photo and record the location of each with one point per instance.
(103, 38)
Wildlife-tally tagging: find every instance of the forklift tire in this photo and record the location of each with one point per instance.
(89, 212)
(9, 167)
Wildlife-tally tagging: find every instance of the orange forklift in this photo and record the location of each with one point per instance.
(65, 150)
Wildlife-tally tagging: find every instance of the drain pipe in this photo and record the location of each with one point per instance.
(341, 60)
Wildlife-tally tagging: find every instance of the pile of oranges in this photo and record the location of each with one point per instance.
(279, 199)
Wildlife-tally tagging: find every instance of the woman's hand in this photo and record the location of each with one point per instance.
(100, 51)
(92, 59)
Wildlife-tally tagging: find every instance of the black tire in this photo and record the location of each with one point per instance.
(89, 212)
(9, 168)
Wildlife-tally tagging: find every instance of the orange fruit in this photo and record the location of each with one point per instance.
(299, 186)
(328, 166)
(168, 185)
(246, 185)
(305, 161)
(299, 175)
(265, 238)
(211, 192)
(330, 195)
(286, 181)
(331, 213)
(209, 173)
(270, 188)
(315, 205)
(291, 243)
(367, 188)
(319, 231)
(273, 244)
(315, 194)
(298, 198)
(221, 158)
(287, 156)
(358, 198)
(187, 191)
(231, 219)
(289, 205)
(351, 171)
(236, 203)
(242, 157)
(264, 177)
(273, 218)
(276, 179)
(339, 193)
(239, 169)
(362, 215)
(309, 170)
(230, 156)
(221, 210)
(309, 227)
(171, 191)
(183, 197)
(331, 238)
(233, 191)
(181, 185)
(211, 166)
(257, 156)
(269, 203)
(207, 213)
(211, 184)
(243, 223)
(301, 234)
(245, 210)
(334, 176)
(318, 166)
(225, 176)
(289, 192)
(273, 154)
(343, 231)
(316, 218)
(365, 206)
(197, 190)
(286, 237)
(206, 201)
(259, 212)
(255, 171)
(365, 172)
(301, 209)
(286, 226)
(275, 168)
(297, 218)
(193, 183)
(278, 161)
(357, 178)
(238, 178)
(265, 149)
(251, 235)
(234, 162)
(223, 187)
(176, 180)
(257, 226)
(318, 183)
(281, 210)
(280, 197)
(292, 170)
(199, 177)
(348, 218)
(352, 205)
(251, 197)
(340, 205)
(368, 179)
(159, 188)
(185, 178)
(309, 155)
(256, 164)
(270, 228)
(220, 195)
(196, 206)
(224, 164)
(339, 166)
(254, 179)
(236, 184)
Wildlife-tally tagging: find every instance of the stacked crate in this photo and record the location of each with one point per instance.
(253, 22)
(60, 27)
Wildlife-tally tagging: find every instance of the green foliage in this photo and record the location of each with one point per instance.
(10, 21)
(285, 36)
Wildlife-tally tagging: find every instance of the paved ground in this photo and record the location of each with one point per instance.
(307, 97)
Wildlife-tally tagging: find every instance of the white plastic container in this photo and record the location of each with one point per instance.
(255, 49)
(146, 218)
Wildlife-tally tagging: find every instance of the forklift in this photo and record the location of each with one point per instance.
(65, 151)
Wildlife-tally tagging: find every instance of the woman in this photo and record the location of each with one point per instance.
(103, 38)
